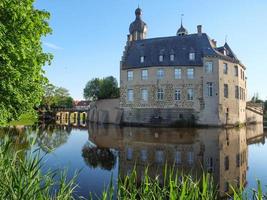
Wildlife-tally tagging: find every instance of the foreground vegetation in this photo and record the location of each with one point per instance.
(22, 27)
(23, 177)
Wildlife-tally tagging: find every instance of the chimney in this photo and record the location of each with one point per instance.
(199, 29)
(214, 42)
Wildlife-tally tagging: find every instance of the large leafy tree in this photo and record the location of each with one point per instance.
(56, 97)
(92, 89)
(101, 88)
(21, 57)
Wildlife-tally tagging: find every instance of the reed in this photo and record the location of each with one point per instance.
(176, 186)
(22, 177)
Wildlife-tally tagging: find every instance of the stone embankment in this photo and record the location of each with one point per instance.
(105, 111)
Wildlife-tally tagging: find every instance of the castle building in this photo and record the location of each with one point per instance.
(185, 77)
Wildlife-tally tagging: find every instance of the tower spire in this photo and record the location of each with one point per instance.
(181, 31)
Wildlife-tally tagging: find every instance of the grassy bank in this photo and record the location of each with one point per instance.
(26, 119)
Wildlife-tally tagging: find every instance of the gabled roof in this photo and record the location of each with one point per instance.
(180, 46)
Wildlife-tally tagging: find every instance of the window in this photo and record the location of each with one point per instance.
(142, 59)
(225, 68)
(160, 74)
(159, 156)
(226, 186)
(190, 157)
(225, 90)
(226, 163)
(172, 57)
(129, 155)
(210, 89)
(129, 75)
(130, 95)
(177, 157)
(209, 67)
(177, 95)
(241, 73)
(190, 94)
(191, 56)
(236, 92)
(144, 74)
(238, 160)
(210, 164)
(143, 155)
(240, 93)
(236, 70)
(160, 58)
(177, 73)
(160, 94)
(190, 73)
(144, 95)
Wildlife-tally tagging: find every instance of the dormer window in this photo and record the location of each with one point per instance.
(172, 57)
(161, 58)
(142, 59)
(192, 56)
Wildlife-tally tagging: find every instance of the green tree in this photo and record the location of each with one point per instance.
(109, 88)
(21, 57)
(56, 97)
(49, 97)
(101, 88)
(92, 88)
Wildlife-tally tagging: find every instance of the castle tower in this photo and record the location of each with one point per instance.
(138, 27)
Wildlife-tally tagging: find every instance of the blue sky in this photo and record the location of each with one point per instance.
(89, 35)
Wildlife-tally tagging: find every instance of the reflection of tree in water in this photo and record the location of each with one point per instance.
(51, 137)
(94, 157)
(20, 138)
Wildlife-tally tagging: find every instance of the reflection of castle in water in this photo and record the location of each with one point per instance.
(222, 152)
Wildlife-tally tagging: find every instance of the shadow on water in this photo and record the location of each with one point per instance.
(99, 149)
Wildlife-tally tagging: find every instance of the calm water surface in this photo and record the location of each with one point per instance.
(235, 156)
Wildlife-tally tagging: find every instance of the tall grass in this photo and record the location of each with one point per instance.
(175, 186)
(21, 177)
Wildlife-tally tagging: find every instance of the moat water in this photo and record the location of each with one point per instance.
(235, 156)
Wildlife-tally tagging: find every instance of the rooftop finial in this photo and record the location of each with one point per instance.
(182, 15)
(138, 12)
(226, 37)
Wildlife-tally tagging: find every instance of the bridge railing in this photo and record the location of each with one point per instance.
(70, 109)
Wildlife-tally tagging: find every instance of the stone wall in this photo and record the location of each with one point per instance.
(157, 116)
(232, 110)
(106, 111)
(253, 116)
(215, 110)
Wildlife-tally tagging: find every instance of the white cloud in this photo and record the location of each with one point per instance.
(52, 46)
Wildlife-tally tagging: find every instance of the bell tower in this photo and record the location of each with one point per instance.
(138, 28)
